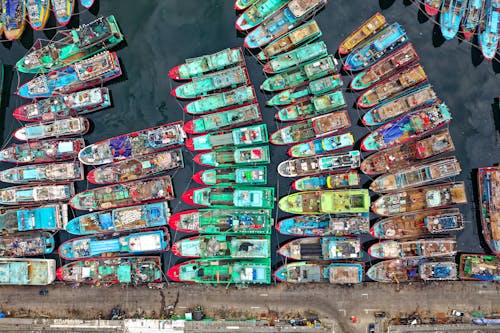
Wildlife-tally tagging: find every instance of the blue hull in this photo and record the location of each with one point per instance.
(488, 31)
(452, 12)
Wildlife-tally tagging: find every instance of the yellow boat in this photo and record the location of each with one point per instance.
(369, 28)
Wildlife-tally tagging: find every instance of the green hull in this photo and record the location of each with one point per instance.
(221, 101)
(226, 119)
(235, 156)
(301, 55)
(314, 107)
(227, 197)
(251, 175)
(329, 202)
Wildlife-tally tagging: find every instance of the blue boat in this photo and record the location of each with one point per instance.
(27, 244)
(452, 12)
(322, 146)
(121, 219)
(48, 217)
(488, 29)
(87, 3)
(378, 46)
(320, 272)
(473, 15)
(325, 225)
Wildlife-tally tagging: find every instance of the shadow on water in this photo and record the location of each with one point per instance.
(27, 37)
(7, 44)
(384, 4)
(421, 15)
(94, 10)
(475, 53)
(50, 30)
(495, 108)
(124, 76)
(495, 64)
(8, 74)
(477, 210)
(408, 2)
(437, 37)
(74, 22)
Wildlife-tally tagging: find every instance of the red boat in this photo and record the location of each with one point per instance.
(432, 6)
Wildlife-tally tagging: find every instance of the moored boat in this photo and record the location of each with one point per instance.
(36, 194)
(322, 248)
(325, 225)
(251, 175)
(325, 145)
(314, 106)
(488, 180)
(237, 137)
(327, 182)
(13, 18)
(234, 156)
(419, 248)
(301, 55)
(473, 15)
(326, 201)
(314, 165)
(53, 172)
(408, 270)
(369, 28)
(488, 29)
(38, 13)
(227, 197)
(221, 101)
(63, 10)
(438, 270)
(47, 217)
(27, 271)
(479, 267)
(42, 151)
(432, 6)
(243, 4)
(87, 3)
(27, 244)
(65, 127)
(320, 272)
(257, 13)
(451, 15)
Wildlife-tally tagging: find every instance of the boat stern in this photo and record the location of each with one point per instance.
(59, 273)
(174, 73)
(173, 273)
(174, 221)
(198, 177)
(188, 197)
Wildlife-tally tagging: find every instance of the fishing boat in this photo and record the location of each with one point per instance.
(84, 74)
(113, 244)
(124, 194)
(418, 224)
(36, 194)
(438, 270)
(326, 202)
(227, 197)
(42, 151)
(384, 42)
(248, 114)
(314, 106)
(314, 165)
(417, 175)
(305, 33)
(134, 144)
(63, 9)
(292, 15)
(385, 67)
(53, 172)
(27, 271)
(65, 127)
(369, 28)
(479, 267)
(488, 180)
(207, 63)
(87, 3)
(258, 13)
(234, 156)
(70, 46)
(303, 54)
(419, 248)
(488, 29)
(13, 18)
(410, 100)
(210, 271)
(322, 146)
(243, 4)
(221, 101)
(327, 182)
(251, 175)
(325, 225)
(320, 272)
(137, 168)
(222, 221)
(77, 103)
(109, 271)
(237, 137)
(322, 248)
(312, 128)
(120, 219)
(394, 85)
(432, 6)
(409, 126)
(452, 12)
(214, 82)
(27, 244)
(423, 198)
(47, 217)
(473, 15)
(38, 13)
(408, 270)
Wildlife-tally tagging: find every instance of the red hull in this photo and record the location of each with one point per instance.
(431, 10)
(175, 220)
(197, 177)
(91, 177)
(187, 197)
(174, 73)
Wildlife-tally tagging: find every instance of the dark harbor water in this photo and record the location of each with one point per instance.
(161, 34)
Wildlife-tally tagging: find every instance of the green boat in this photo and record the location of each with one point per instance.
(314, 106)
(227, 197)
(326, 202)
(327, 182)
(251, 175)
(294, 58)
(242, 136)
(234, 156)
(257, 13)
(221, 101)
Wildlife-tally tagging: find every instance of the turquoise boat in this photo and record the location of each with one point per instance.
(221, 101)
(36, 173)
(242, 136)
(63, 9)
(488, 29)
(473, 15)
(234, 156)
(304, 54)
(319, 272)
(320, 146)
(24, 271)
(331, 181)
(48, 217)
(87, 3)
(58, 128)
(36, 194)
(257, 13)
(325, 225)
(27, 244)
(312, 107)
(38, 13)
(326, 202)
(243, 4)
(227, 197)
(452, 12)
(251, 175)
(314, 165)
(322, 248)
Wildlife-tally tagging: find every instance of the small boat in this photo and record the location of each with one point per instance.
(48, 217)
(409, 126)
(36, 194)
(207, 63)
(418, 224)
(53, 172)
(314, 165)
(225, 272)
(417, 175)
(381, 44)
(258, 13)
(408, 153)
(125, 194)
(222, 221)
(325, 145)
(320, 272)
(70, 46)
(223, 247)
(120, 219)
(221, 101)
(325, 225)
(63, 9)
(109, 271)
(322, 248)
(422, 198)
(13, 18)
(452, 12)
(314, 106)
(488, 180)
(419, 248)
(237, 137)
(438, 270)
(42, 151)
(38, 13)
(394, 85)
(87, 3)
(248, 114)
(227, 197)
(369, 28)
(137, 168)
(331, 181)
(432, 6)
(409, 270)
(326, 202)
(385, 67)
(488, 29)
(214, 82)
(65, 127)
(473, 15)
(27, 244)
(81, 75)
(77, 103)
(27, 271)
(312, 128)
(479, 267)
(410, 100)
(305, 33)
(250, 175)
(234, 156)
(116, 244)
(134, 144)
(301, 55)
(243, 4)
(292, 15)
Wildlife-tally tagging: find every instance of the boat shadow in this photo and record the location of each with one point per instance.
(477, 211)
(437, 37)
(495, 109)
(27, 38)
(50, 30)
(495, 64)
(475, 52)
(384, 4)
(94, 10)
(422, 17)
(8, 74)
(74, 22)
